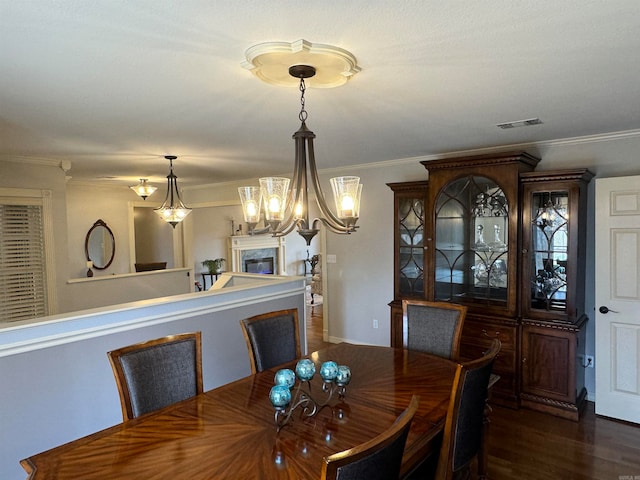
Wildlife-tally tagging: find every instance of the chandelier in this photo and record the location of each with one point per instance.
(143, 189)
(286, 206)
(173, 210)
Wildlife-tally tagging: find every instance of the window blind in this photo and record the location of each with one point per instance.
(23, 292)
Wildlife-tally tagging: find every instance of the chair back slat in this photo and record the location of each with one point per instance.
(433, 327)
(464, 425)
(157, 373)
(272, 338)
(377, 459)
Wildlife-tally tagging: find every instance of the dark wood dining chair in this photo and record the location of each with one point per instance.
(433, 327)
(378, 459)
(153, 374)
(465, 427)
(272, 338)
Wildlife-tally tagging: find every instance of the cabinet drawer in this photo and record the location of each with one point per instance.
(504, 362)
(481, 334)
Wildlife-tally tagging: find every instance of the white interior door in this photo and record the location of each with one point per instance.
(618, 298)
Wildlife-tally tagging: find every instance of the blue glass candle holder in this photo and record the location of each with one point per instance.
(285, 377)
(343, 376)
(329, 371)
(286, 396)
(280, 396)
(305, 369)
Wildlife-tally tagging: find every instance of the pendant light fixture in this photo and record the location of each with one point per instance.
(143, 189)
(173, 210)
(286, 207)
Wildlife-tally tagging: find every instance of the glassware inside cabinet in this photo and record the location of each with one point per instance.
(549, 252)
(471, 241)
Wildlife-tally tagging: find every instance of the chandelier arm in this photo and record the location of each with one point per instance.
(290, 228)
(289, 222)
(302, 195)
(166, 197)
(329, 218)
(336, 228)
(298, 191)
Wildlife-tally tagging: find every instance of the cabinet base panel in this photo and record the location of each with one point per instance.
(504, 400)
(565, 410)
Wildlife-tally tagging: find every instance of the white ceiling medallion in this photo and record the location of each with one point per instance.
(270, 62)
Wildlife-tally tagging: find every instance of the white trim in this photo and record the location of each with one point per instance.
(65, 165)
(49, 252)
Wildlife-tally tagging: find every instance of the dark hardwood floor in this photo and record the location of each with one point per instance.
(527, 445)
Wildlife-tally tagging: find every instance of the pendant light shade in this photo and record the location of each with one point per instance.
(285, 208)
(143, 189)
(173, 210)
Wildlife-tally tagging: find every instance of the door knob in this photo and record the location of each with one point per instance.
(604, 310)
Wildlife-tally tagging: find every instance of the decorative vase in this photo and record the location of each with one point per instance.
(285, 377)
(305, 369)
(328, 371)
(280, 396)
(343, 376)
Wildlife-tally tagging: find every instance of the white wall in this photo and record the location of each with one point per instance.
(85, 205)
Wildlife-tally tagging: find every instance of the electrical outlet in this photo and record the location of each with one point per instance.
(589, 361)
(375, 323)
(331, 258)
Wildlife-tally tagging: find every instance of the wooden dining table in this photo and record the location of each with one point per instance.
(230, 433)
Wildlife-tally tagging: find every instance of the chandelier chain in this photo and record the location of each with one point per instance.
(303, 113)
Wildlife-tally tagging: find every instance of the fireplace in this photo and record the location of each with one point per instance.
(259, 265)
(257, 254)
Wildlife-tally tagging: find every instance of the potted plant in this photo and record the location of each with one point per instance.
(215, 265)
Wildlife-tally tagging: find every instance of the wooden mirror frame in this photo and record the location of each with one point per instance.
(100, 223)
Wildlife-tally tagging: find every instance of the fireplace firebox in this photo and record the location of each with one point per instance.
(259, 265)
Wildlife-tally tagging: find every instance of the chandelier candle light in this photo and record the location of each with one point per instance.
(286, 207)
(173, 210)
(335, 379)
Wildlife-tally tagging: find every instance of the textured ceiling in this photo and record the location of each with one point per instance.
(113, 86)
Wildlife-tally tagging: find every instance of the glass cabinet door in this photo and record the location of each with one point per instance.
(411, 251)
(548, 250)
(471, 255)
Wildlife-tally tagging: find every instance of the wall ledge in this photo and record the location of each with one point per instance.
(45, 332)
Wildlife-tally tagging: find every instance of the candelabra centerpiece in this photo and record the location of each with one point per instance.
(287, 395)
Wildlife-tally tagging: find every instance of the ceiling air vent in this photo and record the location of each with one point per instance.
(520, 123)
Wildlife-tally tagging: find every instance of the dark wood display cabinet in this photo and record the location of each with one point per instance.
(457, 238)
(552, 285)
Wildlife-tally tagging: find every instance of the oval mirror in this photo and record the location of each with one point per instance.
(100, 245)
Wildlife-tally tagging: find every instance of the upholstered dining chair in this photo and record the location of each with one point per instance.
(377, 459)
(272, 338)
(464, 429)
(433, 327)
(153, 374)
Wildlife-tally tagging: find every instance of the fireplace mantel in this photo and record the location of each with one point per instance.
(242, 245)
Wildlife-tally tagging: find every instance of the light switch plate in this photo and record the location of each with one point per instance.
(331, 259)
